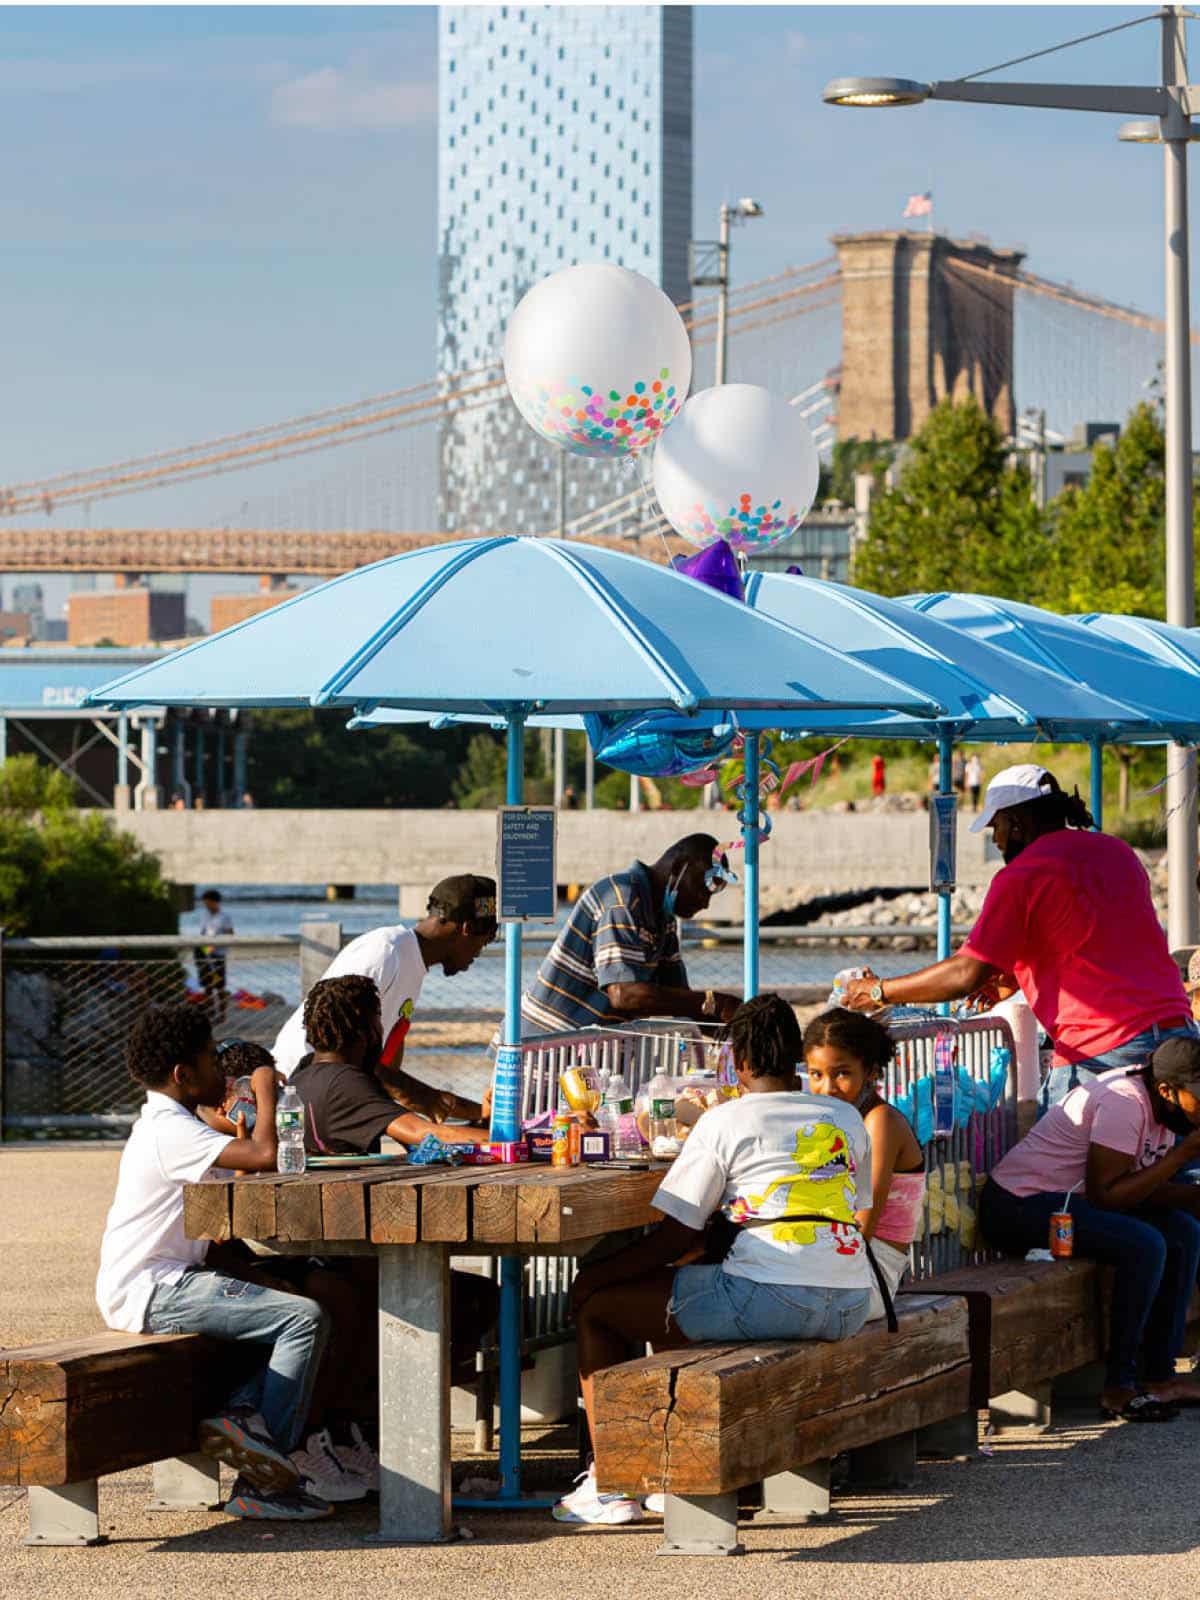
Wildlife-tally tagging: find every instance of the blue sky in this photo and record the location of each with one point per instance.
(219, 217)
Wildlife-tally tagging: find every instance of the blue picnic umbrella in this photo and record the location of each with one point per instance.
(986, 694)
(509, 627)
(1157, 688)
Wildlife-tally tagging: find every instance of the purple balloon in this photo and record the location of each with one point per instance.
(716, 565)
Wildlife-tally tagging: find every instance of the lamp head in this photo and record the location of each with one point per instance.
(875, 92)
(1149, 131)
(747, 207)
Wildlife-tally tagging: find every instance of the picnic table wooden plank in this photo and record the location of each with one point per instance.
(206, 1209)
(298, 1208)
(494, 1206)
(584, 1203)
(254, 1207)
(344, 1203)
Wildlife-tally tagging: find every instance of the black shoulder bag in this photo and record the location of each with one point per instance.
(721, 1232)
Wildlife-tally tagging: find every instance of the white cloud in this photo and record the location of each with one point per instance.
(332, 100)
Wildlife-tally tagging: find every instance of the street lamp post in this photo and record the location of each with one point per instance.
(703, 276)
(1170, 105)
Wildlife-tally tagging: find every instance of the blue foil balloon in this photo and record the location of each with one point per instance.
(639, 746)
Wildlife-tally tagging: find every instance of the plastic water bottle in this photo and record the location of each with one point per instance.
(617, 1117)
(289, 1128)
(660, 1091)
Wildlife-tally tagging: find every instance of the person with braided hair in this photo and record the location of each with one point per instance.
(347, 1108)
(1071, 918)
(769, 1186)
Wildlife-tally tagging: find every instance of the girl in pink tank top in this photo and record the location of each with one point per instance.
(846, 1054)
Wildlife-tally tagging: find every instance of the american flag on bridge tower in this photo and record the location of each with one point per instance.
(919, 205)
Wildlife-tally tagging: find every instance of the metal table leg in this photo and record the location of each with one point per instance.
(414, 1394)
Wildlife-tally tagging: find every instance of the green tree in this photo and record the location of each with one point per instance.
(850, 457)
(1108, 533)
(66, 871)
(305, 759)
(960, 516)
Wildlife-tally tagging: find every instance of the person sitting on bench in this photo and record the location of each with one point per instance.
(778, 1177)
(1117, 1138)
(348, 1112)
(846, 1055)
(153, 1279)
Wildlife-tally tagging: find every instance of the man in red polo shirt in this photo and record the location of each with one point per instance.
(1070, 917)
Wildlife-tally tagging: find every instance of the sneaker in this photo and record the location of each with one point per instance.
(358, 1457)
(284, 1505)
(323, 1474)
(655, 1504)
(585, 1505)
(242, 1440)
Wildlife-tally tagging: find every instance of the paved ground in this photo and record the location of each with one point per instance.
(1085, 1513)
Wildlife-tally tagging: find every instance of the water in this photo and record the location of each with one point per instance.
(269, 912)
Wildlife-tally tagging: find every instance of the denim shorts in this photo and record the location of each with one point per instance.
(710, 1305)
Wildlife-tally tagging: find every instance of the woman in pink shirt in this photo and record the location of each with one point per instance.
(1120, 1139)
(1071, 918)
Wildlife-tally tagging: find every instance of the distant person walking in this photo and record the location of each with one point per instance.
(210, 959)
(974, 779)
(878, 775)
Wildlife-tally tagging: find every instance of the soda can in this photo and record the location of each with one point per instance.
(560, 1151)
(574, 1143)
(1062, 1235)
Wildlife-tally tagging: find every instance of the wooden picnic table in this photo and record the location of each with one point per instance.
(412, 1220)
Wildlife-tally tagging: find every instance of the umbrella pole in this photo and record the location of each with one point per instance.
(1096, 805)
(945, 786)
(750, 848)
(511, 1270)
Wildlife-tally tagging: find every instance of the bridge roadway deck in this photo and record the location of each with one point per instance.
(413, 849)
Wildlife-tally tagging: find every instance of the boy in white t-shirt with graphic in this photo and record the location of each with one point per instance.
(153, 1279)
(787, 1171)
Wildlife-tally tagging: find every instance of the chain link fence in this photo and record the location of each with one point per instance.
(69, 1005)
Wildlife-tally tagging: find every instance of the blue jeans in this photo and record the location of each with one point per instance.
(295, 1328)
(1156, 1253)
(710, 1305)
(1134, 1052)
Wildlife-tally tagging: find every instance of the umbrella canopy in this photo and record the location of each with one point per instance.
(987, 694)
(1174, 646)
(1159, 691)
(503, 625)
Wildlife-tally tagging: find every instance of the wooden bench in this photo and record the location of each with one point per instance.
(700, 1424)
(73, 1411)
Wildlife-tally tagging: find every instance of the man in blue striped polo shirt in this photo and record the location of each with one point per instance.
(618, 956)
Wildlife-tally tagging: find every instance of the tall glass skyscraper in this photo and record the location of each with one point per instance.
(565, 136)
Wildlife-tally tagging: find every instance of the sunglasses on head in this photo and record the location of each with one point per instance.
(719, 874)
(227, 1044)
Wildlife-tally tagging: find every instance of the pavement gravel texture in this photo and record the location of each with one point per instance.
(1085, 1512)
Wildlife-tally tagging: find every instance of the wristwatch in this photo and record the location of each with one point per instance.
(709, 1008)
(876, 992)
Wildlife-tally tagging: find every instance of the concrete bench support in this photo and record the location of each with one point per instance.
(186, 1483)
(1029, 1408)
(801, 1496)
(696, 1525)
(890, 1464)
(68, 1514)
(952, 1439)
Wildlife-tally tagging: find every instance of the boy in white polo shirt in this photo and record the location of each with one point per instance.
(153, 1279)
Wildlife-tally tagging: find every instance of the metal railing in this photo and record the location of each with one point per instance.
(956, 1161)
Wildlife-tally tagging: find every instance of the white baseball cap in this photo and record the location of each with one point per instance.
(1015, 786)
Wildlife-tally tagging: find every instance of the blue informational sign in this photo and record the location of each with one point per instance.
(943, 840)
(506, 1094)
(525, 863)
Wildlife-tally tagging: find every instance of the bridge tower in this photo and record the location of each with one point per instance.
(923, 317)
